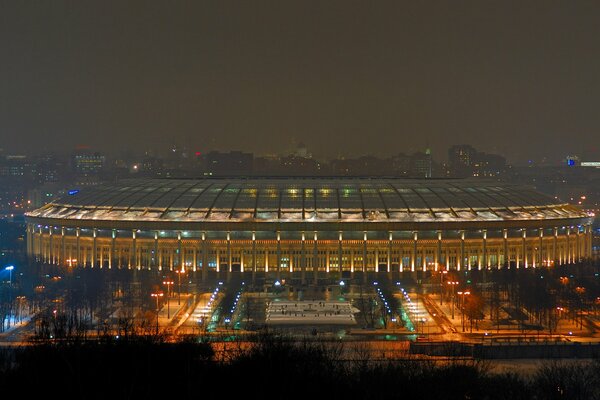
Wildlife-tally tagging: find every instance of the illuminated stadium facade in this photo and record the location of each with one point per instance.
(308, 228)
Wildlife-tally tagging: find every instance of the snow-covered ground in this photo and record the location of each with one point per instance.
(311, 312)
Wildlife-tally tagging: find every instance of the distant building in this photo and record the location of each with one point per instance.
(488, 165)
(401, 164)
(49, 168)
(362, 166)
(295, 165)
(16, 166)
(302, 151)
(88, 163)
(421, 165)
(460, 160)
(464, 161)
(216, 163)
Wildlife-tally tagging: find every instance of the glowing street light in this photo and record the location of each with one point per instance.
(442, 273)
(10, 269)
(157, 295)
(179, 273)
(462, 318)
(168, 283)
(453, 284)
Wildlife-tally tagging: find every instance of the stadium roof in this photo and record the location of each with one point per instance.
(307, 200)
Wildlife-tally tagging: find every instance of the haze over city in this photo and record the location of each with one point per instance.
(345, 78)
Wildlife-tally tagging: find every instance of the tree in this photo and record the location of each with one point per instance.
(474, 305)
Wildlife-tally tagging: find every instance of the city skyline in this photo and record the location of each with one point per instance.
(346, 80)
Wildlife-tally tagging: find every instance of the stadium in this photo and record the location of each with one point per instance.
(308, 228)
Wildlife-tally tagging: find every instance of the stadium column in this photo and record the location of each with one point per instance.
(376, 259)
(462, 250)
(389, 254)
(267, 252)
(568, 254)
(438, 254)
(401, 263)
(155, 261)
(111, 257)
(35, 248)
(194, 259)
(554, 245)
(413, 255)
(505, 245)
(253, 256)
(180, 261)
(242, 251)
(584, 242)
(278, 255)
(498, 258)
(340, 253)
(204, 257)
(78, 244)
(40, 246)
(101, 256)
(94, 247)
(364, 260)
(303, 259)
(218, 259)
(540, 254)
(484, 248)
(133, 255)
(50, 245)
(578, 245)
(229, 258)
(524, 248)
(315, 259)
(62, 246)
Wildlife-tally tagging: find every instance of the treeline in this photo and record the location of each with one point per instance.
(272, 368)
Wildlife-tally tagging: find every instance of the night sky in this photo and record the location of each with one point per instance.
(346, 78)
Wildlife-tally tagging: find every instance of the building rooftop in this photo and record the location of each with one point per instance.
(308, 199)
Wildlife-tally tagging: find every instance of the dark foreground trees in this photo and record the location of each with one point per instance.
(271, 368)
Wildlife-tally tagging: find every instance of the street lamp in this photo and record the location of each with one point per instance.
(179, 272)
(452, 283)
(168, 283)
(157, 295)
(558, 315)
(10, 269)
(442, 273)
(462, 302)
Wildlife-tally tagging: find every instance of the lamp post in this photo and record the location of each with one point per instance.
(452, 283)
(157, 295)
(179, 272)
(168, 283)
(462, 302)
(559, 310)
(10, 269)
(442, 273)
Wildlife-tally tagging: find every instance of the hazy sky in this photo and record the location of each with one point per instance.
(346, 78)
